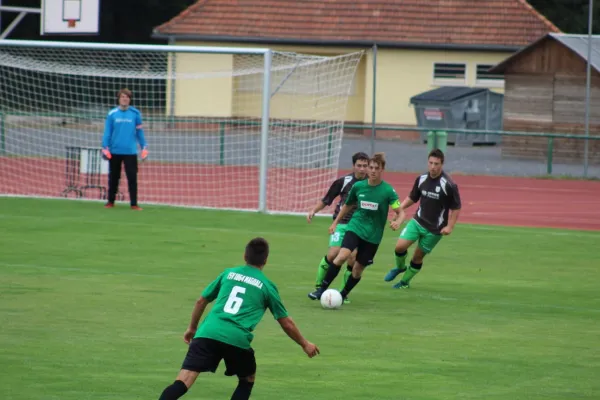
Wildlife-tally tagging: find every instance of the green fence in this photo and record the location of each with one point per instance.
(436, 139)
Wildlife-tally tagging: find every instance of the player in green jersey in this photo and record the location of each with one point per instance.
(340, 187)
(242, 295)
(373, 198)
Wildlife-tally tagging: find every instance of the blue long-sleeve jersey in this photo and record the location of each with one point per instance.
(123, 131)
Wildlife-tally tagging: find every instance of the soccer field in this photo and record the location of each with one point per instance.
(94, 303)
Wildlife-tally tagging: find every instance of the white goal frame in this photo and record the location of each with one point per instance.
(266, 53)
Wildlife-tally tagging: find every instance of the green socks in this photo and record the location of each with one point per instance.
(322, 271)
(400, 260)
(410, 273)
(347, 275)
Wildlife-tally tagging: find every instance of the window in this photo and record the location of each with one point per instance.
(449, 72)
(486, 78)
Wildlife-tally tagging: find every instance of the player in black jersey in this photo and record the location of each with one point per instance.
(340, 187)
(436, 216)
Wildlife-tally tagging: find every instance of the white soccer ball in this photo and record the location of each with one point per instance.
(331, 299)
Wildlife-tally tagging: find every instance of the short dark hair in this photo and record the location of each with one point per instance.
(378, 158)
(359, 156)
(437, 153)
(257, 251)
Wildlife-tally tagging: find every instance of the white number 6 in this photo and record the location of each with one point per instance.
(234, 302)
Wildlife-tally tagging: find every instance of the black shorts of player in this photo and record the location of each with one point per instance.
(365, 252)
(204, 355)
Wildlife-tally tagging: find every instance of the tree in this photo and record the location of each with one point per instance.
(570, 16)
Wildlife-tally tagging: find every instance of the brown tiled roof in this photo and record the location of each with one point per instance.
(504, 23)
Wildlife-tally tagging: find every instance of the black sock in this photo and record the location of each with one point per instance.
(173, 392)
(243, 390)
(352, 281)
(332, 272)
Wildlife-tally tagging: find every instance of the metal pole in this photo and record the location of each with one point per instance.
(588, 88)
(264, 133)
(374, 100)
(172, 81)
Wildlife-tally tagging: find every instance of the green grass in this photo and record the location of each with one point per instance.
(93, 304)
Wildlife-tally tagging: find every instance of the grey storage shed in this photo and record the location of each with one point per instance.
(460, 107)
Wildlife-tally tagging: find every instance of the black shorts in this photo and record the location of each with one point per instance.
(365, 250)
(204, 355)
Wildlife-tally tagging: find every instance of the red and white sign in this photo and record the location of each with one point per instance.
(433, 114)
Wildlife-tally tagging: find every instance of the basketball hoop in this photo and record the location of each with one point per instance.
(71, 23)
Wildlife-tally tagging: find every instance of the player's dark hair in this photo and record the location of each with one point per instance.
(437, 153)
(378, 158)
(126, 92)
(359, 156)
(257, 252)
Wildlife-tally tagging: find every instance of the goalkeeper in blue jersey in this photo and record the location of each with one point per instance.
(123, 132)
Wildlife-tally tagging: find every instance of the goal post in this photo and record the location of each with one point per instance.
(227, 127)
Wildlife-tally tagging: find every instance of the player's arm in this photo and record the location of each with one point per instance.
(348, 205)
(413, 196)
(106, 137)
(406, 203)
(139, 133)
(209, 294)
(275, 305)
(197, 312)
(455, 206)
(334, 191)
(398, 211)
(289, 327)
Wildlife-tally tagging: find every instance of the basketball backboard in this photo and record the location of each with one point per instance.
(70, 17)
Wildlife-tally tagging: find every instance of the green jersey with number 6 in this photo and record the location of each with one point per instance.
(242, 295)
(372, 207)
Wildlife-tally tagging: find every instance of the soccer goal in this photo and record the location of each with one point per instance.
(231, 128)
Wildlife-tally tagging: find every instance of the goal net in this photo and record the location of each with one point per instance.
(227, 128)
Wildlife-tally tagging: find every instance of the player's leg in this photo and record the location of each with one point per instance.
(185, 379)
(349, 243)
(364, 257)
(203, 355)
(335, 241)
(408, 236)
(426, 245)
(240, 362)
(131, 170)
(114, 175)
(328, 258)
(349, 266)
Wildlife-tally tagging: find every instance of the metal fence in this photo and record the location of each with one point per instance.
(526, 154)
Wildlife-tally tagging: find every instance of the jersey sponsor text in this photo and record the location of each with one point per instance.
(369, 205)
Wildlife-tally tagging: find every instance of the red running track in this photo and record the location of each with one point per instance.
(496, 200)
(490, 200)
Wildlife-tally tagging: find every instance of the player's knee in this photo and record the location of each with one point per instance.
(342, 257)
(332, 253)
(418, 256)
(351, 260)
(249, 379)
(358, 270)
(402, 246)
